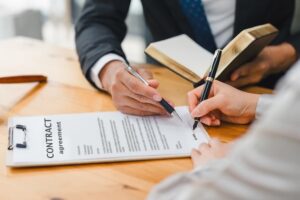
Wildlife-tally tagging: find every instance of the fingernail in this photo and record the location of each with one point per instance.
(157, 97)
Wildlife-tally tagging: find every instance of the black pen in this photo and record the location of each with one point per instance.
(163, 102)
(209, 81)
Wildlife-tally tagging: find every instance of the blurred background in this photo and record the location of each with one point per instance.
(53, 20)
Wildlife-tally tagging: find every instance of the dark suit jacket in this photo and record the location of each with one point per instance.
(101, 26)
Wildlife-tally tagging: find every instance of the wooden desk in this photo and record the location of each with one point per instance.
(68, 92)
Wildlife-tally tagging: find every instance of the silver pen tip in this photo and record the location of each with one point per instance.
(176, 115)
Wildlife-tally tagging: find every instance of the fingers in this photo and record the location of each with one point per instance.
(247, 80)
(153, 83)
(131, 103)
(141, 99)
(207, 120)
(124, 98)
(196, 157)
(250, 73)
(214, 142)
(144, 106)
(134, 111)
(137, 87)
(200, 155)
(128, 93)
(195, 94)
(208, 152)
(193, 99)
(149, 77)
(241, 71)
(204, 148)
(255, 66)
(211, 119)
(207, 106)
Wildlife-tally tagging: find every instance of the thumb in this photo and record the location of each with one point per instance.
(206, 107)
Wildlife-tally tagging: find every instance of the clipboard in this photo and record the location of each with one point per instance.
(28, 147)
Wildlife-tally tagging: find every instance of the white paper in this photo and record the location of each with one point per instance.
(103, 137)
(186, 52)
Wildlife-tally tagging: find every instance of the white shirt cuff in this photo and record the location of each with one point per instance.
(98, 66)
(263, 104)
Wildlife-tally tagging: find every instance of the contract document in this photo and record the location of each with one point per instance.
(100, 137)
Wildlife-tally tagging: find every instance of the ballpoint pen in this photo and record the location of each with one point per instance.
(163, 102)
(209, 81)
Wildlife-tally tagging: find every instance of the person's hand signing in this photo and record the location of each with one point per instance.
(129, 94)
(224, 103)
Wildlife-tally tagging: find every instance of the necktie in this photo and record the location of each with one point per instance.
(195, 14)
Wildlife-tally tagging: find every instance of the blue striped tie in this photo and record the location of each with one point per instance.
(195, 14)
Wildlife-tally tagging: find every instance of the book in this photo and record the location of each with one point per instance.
(188, 59)
(100, 137)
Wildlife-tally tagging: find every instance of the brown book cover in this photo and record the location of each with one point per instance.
(186, 58)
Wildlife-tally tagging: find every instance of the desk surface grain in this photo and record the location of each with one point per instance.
(67, 91)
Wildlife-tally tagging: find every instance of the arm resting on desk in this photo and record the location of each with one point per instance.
(262, 165)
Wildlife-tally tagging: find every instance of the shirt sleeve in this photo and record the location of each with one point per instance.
(96, 69)
(264, 164)
(263, 104)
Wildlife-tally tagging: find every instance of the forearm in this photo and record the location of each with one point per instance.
(100, 30)
(263, 164)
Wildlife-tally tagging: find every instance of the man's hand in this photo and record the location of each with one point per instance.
(224, 103)
(214, 150)
(272, 59)
(128, 93)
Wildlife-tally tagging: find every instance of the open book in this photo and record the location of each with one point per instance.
(100, 137)
(186, 58)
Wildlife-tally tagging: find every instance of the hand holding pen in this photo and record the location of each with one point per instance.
(209, 81)
(129, 94)
(162, 102)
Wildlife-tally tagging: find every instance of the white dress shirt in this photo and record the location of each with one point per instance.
(220, 15)
(263, 165)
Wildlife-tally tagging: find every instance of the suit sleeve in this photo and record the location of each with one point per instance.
(100, 30)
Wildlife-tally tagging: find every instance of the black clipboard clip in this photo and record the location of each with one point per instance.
(11, 137)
